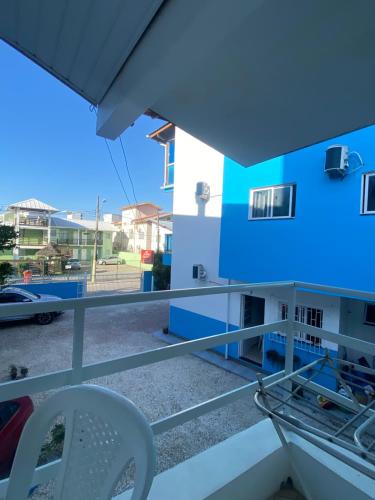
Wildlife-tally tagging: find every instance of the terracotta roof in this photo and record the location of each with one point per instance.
(163, 134)
(136, 205)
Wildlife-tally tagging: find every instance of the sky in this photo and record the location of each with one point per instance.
(49, 149)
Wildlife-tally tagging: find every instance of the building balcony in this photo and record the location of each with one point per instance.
(323, 462)
(32, 242)
(76, 242)
(34, 222)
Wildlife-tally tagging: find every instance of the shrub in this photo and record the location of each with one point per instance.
(6, 270)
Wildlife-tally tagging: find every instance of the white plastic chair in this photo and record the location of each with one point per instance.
(103, 431)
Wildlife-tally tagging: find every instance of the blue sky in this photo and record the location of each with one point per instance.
(49, 149)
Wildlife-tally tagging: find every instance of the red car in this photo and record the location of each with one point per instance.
(13, 416)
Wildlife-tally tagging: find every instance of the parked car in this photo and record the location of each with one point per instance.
(13, 295)
(113, 259)
(73, 264)
(13, 416)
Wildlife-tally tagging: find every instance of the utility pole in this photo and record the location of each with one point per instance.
(93, 272)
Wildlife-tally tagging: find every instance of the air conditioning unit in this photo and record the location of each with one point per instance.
(199, 272)
(337, 159)
(202, 191)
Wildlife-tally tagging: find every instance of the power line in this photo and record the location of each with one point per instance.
(117, 172)
(127, 168)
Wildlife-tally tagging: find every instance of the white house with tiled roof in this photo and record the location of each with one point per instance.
(145, 226)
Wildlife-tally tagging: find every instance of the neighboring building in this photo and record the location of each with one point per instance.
(283, 220)
(37, 227)
(145, 227)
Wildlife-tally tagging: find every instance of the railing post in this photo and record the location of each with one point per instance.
(289, 348)
(78, 334)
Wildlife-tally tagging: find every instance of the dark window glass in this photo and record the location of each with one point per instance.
(171, 152)
(370, 314)
(281, 201)
(170, 175)
(261, 203)
(371, 194)
(6, 298)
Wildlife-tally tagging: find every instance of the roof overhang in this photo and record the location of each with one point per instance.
(254, 79)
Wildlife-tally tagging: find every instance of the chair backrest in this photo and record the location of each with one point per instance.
(103, 432)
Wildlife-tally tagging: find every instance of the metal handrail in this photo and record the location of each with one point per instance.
(80, 372)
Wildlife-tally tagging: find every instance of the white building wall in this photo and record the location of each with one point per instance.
(196, 225)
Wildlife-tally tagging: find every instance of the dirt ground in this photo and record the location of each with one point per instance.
(158, 390)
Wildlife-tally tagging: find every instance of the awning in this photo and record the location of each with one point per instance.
(252, 78)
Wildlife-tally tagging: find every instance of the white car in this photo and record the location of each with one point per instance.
(14, 295)
(113, 259)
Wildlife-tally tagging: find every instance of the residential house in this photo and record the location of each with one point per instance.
(37, 226)
(145, 226)
(282, 220)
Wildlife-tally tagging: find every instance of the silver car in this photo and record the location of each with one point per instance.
(113, 259)
(14, 295)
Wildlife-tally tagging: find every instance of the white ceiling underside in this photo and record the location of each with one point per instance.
(84, 43)
(252, 78)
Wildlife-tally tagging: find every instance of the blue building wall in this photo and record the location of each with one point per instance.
(64, 289)
(328, 241)
(189, 325)
(302, 357)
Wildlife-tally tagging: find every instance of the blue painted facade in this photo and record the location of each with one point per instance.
(274, 359)
(328, 241)
(63, 289)
(190, 326)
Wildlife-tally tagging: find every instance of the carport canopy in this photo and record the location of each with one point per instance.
(252, 78)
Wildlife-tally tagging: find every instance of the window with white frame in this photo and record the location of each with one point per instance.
(273, 202)
(306, 315)
(368, 193)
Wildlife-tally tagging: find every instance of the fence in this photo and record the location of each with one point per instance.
(79, 372)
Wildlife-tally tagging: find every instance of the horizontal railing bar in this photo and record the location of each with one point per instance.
(42, 474)
(293, 374)
(167, 423)
(344, 292)
(132, 298)
(334, 396)
(48, 471)
(163, 353)
(336, 338)
(32, 385)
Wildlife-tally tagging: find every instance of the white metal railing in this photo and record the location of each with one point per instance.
(79, 372)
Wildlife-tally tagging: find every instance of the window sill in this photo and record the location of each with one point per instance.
(270, 218)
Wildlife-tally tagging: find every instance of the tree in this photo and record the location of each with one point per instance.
(8, 237)
(6, 270)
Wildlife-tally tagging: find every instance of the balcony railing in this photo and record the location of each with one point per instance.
(32, 241)
(76, 241)
(79, 372)
(39, 222)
